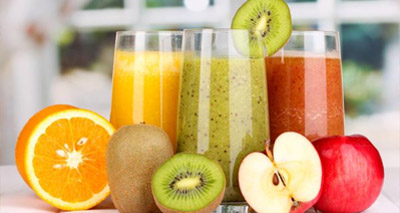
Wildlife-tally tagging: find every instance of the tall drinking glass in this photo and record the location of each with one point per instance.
(147, 67)
(305, 86)
(223, 110)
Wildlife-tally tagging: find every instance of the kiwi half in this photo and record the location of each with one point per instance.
(188, 183)
(268, 20)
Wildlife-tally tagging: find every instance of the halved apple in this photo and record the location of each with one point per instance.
(288, 181)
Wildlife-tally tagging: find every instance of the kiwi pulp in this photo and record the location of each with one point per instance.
(188, 183)
(268, 20)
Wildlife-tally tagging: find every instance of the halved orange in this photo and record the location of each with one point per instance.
(60, 153)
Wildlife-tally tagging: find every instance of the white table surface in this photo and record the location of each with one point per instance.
(16, 196)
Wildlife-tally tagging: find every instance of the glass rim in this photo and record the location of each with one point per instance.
(294, 32)
(148, 32)
(199, 30)
(314, 32)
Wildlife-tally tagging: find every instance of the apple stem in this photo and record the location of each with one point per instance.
(268, 151)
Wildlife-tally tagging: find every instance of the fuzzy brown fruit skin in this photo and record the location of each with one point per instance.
(133, 154)
(207, 209)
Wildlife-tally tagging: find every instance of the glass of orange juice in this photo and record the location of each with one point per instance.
(146, 73)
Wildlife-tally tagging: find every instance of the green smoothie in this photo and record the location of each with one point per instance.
(223, 112)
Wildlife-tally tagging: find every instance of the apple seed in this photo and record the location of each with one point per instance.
(275, 179)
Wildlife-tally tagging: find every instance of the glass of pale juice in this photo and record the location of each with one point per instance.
(305, 86)
(223, 106)
(146, 72)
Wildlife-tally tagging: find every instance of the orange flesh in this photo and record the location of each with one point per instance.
(51, 164)
(20, 147)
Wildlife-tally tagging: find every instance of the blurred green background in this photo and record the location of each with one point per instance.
(363, 51)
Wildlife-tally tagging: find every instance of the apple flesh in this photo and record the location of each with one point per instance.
(353, 173)
(288, 181)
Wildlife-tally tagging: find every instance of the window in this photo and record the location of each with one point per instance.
(368, 29)
(92, 51)
(290, 1)
(176, 3)
(366, 49)
(94, 5)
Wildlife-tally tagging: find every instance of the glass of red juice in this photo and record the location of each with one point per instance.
(305, 86)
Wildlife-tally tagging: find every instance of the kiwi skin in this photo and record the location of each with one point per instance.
(134, 152)
(207, 209)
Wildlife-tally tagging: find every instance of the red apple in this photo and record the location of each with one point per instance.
(289, 181)
(353, 173)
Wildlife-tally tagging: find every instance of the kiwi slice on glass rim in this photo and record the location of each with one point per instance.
(268, 20)
(188, 183)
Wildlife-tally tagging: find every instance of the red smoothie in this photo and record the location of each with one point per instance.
(305, 95)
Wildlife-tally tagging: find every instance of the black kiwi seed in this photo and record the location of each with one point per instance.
(264, 34)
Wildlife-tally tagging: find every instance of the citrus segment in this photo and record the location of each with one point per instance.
(64, 158)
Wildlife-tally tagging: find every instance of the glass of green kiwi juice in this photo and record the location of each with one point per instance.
(223, 109)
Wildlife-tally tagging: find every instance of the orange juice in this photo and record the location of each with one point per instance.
(145, 89)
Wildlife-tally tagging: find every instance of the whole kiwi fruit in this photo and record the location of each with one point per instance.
(134, 152)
